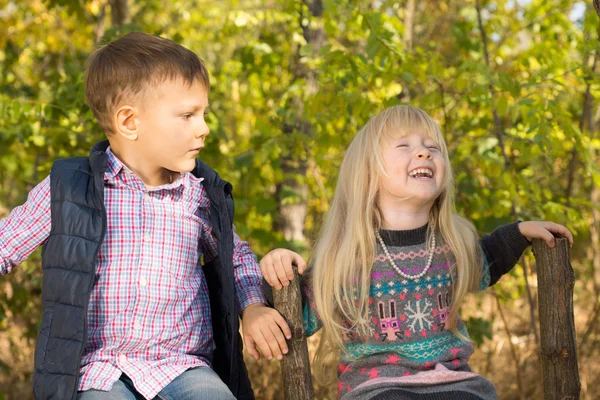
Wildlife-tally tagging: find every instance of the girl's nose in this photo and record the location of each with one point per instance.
(424, 155)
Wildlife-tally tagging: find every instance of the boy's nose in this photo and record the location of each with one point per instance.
(203, 131)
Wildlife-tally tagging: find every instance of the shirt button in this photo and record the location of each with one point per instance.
(123, 358)
(143, 282)
(147, 237)
(137, 326)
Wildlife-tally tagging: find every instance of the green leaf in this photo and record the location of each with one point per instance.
(502, 105)
(479, 329)
(306, 50)
(16, 111)
(525, 102)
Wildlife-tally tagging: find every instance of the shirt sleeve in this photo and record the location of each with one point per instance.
(246, 270)
(248, 278)
(25, 228)
(501, 252)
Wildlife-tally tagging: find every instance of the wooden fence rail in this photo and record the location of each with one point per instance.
(557, 327)
(295, 366)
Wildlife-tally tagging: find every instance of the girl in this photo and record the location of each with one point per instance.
(393, 264)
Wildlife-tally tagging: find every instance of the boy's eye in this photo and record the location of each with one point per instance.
(186, 116)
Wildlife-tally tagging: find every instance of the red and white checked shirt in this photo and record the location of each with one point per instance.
(149, 312)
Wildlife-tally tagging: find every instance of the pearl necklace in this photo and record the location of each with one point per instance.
(398, 270)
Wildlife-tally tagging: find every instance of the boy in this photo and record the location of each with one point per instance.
(128, 310)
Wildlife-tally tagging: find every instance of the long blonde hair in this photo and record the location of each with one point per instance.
(346, 247)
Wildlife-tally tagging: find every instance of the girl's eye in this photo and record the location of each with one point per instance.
(402, 145)
(433, 147)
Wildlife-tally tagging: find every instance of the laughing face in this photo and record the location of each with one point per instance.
(415, 170)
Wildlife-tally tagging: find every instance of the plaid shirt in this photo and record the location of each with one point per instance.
(149, 312)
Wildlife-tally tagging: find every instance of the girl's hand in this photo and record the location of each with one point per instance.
(545, 230)
(276, 267)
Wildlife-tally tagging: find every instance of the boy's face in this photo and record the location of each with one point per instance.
(172, 126)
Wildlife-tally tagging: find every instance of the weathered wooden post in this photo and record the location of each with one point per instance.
(295, 366)
(557, 327)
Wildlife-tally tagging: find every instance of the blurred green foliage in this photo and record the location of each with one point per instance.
(536, 160)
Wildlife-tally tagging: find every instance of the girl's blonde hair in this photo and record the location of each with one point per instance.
(345, 250)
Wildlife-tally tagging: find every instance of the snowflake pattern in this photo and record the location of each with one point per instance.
(417, 315)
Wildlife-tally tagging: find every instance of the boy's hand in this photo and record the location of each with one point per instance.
(263, 328)
(276, 267)
(545, 230)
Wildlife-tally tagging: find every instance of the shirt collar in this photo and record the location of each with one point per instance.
(114, 167)
(410, 237)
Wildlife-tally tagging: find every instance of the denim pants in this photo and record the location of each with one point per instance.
(200, 383)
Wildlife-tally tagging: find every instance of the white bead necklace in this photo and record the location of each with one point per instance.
(398, 270)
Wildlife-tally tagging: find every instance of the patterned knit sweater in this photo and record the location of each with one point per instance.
(408, 345)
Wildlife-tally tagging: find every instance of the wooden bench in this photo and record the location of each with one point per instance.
(558, 349)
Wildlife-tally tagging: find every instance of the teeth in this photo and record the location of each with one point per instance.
(421, 172)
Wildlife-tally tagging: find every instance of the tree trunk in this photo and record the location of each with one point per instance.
(558, 352)
(100, 26)
(291, 194)
(119, 12)
(499, 132)
(409, 22)
(585, 124)
(594, 249)
(295, 366)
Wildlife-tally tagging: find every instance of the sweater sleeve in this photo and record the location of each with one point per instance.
(501, 252)
(312, 322)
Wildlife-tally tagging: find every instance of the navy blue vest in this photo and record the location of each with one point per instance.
(68, 263)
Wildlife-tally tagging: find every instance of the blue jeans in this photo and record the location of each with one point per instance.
(200, 383)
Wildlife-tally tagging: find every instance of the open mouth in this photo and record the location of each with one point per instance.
(421, 173)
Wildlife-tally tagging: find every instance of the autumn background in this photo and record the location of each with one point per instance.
(514, 85)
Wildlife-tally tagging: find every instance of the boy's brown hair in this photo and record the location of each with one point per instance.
(121, 69)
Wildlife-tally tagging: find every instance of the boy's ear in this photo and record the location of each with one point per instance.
(126, 124)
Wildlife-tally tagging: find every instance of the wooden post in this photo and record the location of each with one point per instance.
(295, 367)
(558, 348)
